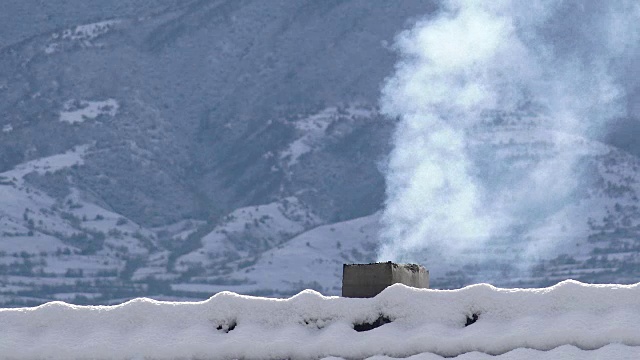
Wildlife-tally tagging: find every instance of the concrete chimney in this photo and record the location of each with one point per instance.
(368, 280)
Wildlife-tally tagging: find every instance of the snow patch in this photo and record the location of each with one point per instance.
(51, 48)
(312, 130)
(84, 35)
(7, 128)
(89, 32)
(77, 111)
(51, 163)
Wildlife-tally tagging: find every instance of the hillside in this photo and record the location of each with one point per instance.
(174, 149)
(182, 115)
(78, 251)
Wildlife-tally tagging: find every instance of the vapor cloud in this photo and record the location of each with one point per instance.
(554, 67)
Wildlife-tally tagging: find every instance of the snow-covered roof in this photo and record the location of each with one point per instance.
(566, 321)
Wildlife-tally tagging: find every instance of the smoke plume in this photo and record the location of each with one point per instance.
(554, 68)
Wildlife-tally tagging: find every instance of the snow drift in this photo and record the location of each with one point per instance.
(570, 319)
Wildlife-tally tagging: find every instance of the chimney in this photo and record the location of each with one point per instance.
(368, 280)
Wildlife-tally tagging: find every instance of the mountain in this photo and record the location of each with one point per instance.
(76, 250)
(174, 115)
(194, 96)
(592, 236)
(177, 148)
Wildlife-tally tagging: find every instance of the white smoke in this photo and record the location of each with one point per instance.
(560, 62)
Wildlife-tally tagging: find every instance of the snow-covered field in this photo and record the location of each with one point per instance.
(567, 321)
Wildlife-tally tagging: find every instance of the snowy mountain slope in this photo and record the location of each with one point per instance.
(589, 234)
(23, 19)
(311, 260)
(201, 129)
(29, 209)
(247, 232)
(61, 244)
(592, 237)
(191, 116)
(283, 247)
(187, 97)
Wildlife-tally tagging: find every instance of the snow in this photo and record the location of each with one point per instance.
(565, 352)
(181, 229)
(89, 32)
(82, 35)
(269, 224)
(512, 141)
(34, 223)
(566, 321)
(317, 256)
(51, 48)
(72, 296)
(312, 131)
(30, 244)
(50, 163)
(314, 258)
(19, 199)
(7, 128)
(78, 111)
(311, 259)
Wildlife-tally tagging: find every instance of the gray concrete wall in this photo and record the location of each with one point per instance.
(368, 280)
